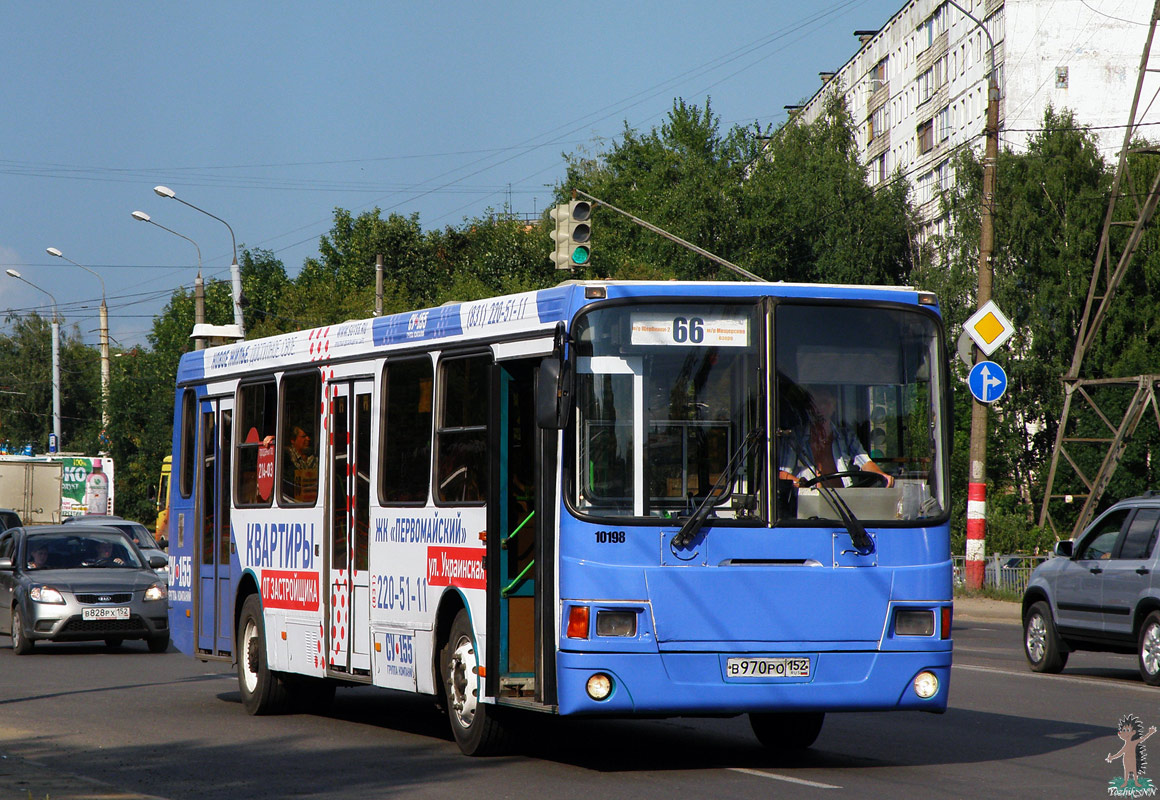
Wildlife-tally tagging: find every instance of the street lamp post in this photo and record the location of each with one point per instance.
(198, 284)
(104, 338)
(235, 271)
(55, 355)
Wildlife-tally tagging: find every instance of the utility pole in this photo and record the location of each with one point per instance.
(977, 476)
(977, 481)
(379, 285)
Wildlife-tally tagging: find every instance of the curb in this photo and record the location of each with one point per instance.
(986, 609)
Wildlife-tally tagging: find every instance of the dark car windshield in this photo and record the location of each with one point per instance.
(138, 533)
(80, 551)
(9, 519)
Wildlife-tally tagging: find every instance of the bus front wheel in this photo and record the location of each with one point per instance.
(476, 726)
(263, 692)
(795, 730)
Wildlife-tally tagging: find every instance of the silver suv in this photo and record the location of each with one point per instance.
(1101, 592)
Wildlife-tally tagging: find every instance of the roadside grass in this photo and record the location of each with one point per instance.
(989, 592)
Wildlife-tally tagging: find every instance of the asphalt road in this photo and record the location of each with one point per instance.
(77, 721)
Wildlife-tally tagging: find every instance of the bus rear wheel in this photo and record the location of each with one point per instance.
(263, 692)
(794, 730)
(476, 726)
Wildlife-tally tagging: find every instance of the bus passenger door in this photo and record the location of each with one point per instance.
(523, 513)
(348, 586)
(214, 603)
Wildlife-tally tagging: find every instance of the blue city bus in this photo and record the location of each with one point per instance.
(604, 499)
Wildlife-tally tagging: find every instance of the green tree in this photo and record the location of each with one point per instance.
(264, 283)
(140, 429)
(26, 405)
(794, 205)
(1049, 205)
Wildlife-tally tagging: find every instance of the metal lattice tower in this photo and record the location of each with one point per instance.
(1092, 397)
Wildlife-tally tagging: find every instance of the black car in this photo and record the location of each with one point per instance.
(80, 583)
(9, 519)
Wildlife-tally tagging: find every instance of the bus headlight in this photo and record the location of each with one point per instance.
(599, 686)
(616, 623)
(926, 684)
(914, 622)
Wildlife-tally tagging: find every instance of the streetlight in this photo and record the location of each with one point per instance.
(55, 356)
(235, 271)
(104, 337)
(198, 284)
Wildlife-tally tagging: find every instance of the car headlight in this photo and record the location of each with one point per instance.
(46, 594)
(157, 591)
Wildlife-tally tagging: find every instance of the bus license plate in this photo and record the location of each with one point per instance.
(104, 613)
(794, 667)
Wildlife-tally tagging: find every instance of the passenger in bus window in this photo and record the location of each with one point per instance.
(462, 463)
(822, 446)
(300, 467)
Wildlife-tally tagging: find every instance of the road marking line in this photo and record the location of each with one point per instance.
(801, 781)
(1110, 683)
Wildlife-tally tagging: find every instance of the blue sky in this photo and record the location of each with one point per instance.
(269, 115)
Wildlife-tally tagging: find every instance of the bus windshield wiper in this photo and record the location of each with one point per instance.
(862, 541)
(696, 520)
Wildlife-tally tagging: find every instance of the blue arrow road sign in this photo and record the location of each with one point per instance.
(988, 381)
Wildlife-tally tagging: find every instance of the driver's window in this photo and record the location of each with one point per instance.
(1101, 539)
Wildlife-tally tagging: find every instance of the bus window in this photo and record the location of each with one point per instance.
(462, 433)
(668, 397)
(858, 391)
(257, 410)
(161, 527)
(405, 473)
(188, 442)
(298, 453)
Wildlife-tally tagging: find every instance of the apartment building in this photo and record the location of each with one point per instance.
(917, 87)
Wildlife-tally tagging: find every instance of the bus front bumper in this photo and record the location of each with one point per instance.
(693, 683)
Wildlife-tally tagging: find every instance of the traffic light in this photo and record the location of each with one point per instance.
(560, 256)
(572, 235)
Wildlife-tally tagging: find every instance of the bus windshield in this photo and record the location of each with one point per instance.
(667, 394)
(859, 421)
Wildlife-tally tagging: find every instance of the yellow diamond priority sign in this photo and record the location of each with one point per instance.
(989, 328)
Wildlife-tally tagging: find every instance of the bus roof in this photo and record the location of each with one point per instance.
(517, 316)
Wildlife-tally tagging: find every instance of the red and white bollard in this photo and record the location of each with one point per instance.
(976, 531)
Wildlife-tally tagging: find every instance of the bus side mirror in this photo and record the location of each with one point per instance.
(553, 394)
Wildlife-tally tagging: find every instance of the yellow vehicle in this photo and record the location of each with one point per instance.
(162, 527)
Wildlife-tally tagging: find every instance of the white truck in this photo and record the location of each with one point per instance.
(49, 488)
